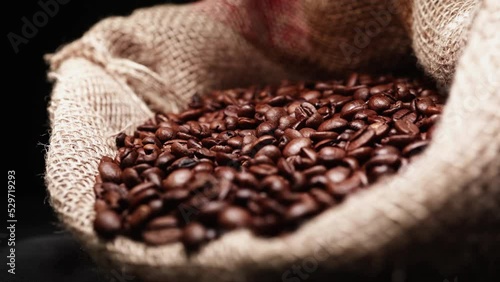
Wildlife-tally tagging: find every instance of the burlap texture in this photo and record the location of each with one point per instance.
(444, 209)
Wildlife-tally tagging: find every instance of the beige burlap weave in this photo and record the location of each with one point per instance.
(444, 209)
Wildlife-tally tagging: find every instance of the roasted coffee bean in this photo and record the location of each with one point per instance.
(193, 235)
(303, 208)
(333, 124)
(275, 184)
(263, 158)
(107, 223)
(177, 179)
(386, 150)
(361, 153)
(375, 172)
(130, 177)
(139, 216)
(263, 169)
(110, 171)
(351, 108)
(345, 187)
(294, 146)
(414, 148)
(164, 160)
(234, 217)
(361, 139)
(337, 174)
(406, 127)
(270, 151)
(379, 102)
(398, 140)
(162, 236)
(309, 95)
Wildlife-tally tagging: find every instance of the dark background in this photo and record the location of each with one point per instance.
(30, 91)
(44, 251)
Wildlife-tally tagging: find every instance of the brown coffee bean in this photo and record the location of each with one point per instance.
(246, 179)
(423, 103)
(364, 114)
(275, 184)
(398, 140)
(379, 102)
(204, 167)
(387, 159)
(193, 235)
(406, 127)
(307, 206)
(265, 128)
(345, 187)
(381, 129)
(162, 236)
(380, 88)
(285, 167)
(234, 217)
(269, 151)
(263, 169)
(292, 134)
(362, 139)
(309, 95)
(333, 124)
(376, 172)
(130, 177)
(330, 154)
(386, 150)
(322, 197)
(414, 148)
(351, 108)
(139, 216)
(166, 221)
(109, 171)
(177, 179)
(337, 174)
(107, 223)
(294, 146)
(361, 153)
(274, 114)
(361, 94)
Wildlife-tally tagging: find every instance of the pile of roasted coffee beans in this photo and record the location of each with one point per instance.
(262, 158)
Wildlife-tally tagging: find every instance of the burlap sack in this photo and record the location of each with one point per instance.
(443, 210)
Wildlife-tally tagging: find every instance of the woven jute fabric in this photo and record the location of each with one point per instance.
(444, 209)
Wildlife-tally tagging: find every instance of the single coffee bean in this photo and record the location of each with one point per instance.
(162, 236)
(193, 235)
(338, 174)
(177, 179)
(379, 102)
(414, 148)
(333, 124)
(362, 139)
(109, 171)
(294, 146)
(107, 223)
(406, 127)
(270, 151)
(234, 217)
